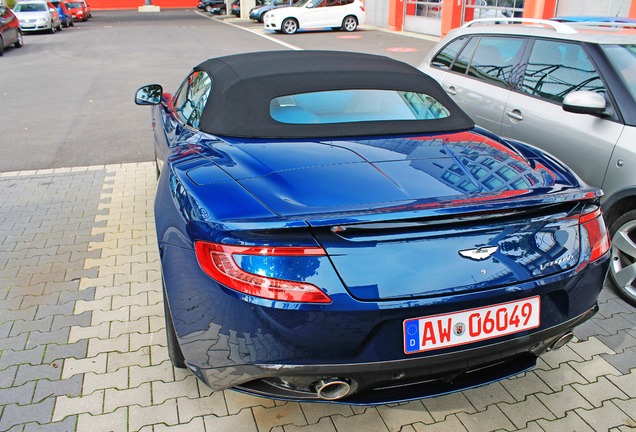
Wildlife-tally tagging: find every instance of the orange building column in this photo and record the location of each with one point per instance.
(396, 15)
(632, 10)
(541, 9)
(451, 15)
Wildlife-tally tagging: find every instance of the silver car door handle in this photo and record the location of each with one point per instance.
(515, 114)
(451, 91)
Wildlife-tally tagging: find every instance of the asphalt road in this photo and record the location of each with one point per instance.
(67, 98)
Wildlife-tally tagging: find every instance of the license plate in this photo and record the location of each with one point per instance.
(463, 327)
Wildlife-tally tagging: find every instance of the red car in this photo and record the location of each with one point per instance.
(10, 32)
(78, 10)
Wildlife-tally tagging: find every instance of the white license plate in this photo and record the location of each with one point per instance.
(463, 327)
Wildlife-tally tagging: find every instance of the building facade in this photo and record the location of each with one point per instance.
(438, 17)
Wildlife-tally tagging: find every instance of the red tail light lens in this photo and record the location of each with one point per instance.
(597, 232)
(216, 260)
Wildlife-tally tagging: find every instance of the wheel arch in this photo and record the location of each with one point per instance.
(618, 203)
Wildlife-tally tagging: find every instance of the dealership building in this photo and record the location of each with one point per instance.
(438, 17)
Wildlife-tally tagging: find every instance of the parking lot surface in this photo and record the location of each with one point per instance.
(82, 335)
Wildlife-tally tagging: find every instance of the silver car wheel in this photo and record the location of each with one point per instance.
(290, 26)
(623, 264)
(349, 24)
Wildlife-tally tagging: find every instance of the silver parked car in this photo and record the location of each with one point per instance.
(37, 15)
(569, 90)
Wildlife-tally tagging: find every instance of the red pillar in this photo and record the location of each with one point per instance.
(541, 9)
(451, 15)
(632, 10)
(396, 15)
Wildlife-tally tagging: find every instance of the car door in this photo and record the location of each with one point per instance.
(480, 77)
(535, 115)
(9, 32)
(314, 14)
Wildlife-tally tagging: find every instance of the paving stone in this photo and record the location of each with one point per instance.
(627, 383)
(557, 378)
(66, 425)
(76, 350)
(70, 387)
(450, 424)
(619, 341)
(65, 406)
(563, 401)
(161, 391)
(189, 408)
(21, 395)
(570, 422)
(594, 368)
(142, 416)
(591, 347)
(521, 413)
(369, 421)
(563, 355)
(491, 419)
(7, 376)
(95, 364)
(441, 406)
(141, 396)
(15, 343)
(41, 325)
(315, 411)
(525, 384)
(243, 421)
(615, 323)
(17, 414)
(408, 413)
(82, 320)
(27, 356)
(99, 381)
(267, 418)
(603, 418)
(486, 395)
(37, 338)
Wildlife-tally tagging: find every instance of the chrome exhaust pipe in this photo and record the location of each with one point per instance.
(561, 342)
(332, 389)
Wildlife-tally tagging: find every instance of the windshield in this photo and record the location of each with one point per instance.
(30, 7)
(623, 57)
(73, 5)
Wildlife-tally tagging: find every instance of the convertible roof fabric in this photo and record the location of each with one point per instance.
(243, 86)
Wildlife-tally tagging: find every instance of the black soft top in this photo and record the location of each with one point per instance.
(243, 86)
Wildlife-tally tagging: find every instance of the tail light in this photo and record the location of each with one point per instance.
(592, 221)
(217, 261)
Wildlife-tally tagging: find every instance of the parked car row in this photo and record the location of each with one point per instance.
(567, 89)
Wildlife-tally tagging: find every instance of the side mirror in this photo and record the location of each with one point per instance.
(149, 95)
(585, 102)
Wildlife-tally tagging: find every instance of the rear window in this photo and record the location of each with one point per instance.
(344, 106)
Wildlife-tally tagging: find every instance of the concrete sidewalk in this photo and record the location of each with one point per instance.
(82, 343)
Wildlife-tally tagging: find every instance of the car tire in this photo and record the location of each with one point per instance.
(174, 350)
(350, 23)
(52, 29)
(71, 23)
(1, 46)
(289, 26)
(59, 26)
(19, 43)
(623, 262)
(208, 8)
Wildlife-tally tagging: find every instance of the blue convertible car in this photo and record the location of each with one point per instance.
(333, 227)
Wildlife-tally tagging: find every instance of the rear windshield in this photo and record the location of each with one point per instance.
(30, 7)
(344, 106)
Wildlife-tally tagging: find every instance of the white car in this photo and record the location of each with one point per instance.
(37, 15)
(337, 14)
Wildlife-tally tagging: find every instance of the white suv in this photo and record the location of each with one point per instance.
(569, 90)
(337, 14)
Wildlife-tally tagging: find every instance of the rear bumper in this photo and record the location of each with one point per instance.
(394, 381)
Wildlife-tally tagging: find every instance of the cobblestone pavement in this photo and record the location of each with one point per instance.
(82, 344)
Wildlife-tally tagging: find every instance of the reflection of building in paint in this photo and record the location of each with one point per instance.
(468, 166)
